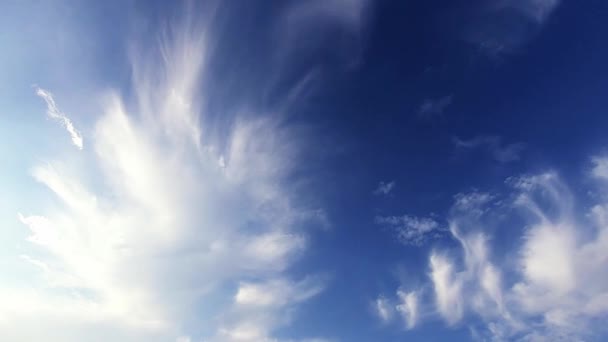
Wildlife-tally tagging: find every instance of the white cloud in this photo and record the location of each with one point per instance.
(405, 305)
(54, 113)
(384, 309)
(434, 108)
(549, 285)
(258, 307)
(600, 168)
(448, 288)
(408, 308)
(149, 238)
(411, 230)
(502, 153)
(384, 188)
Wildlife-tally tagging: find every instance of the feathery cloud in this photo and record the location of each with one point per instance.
(54, 113)
(550, 286)
(154, 228)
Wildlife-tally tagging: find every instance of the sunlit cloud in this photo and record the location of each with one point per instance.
(164, 228)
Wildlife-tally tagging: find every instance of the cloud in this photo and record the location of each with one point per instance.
(547, 285)
(493, 145)
(385, 188)
(256, 307)
(154, 239)
(406, 305)
(600, 168)
(411, 230)
(54, 113)
(319, 35)
(384, 309)
(503, 26)
(538, 10)
(408, 308)
(434, 108)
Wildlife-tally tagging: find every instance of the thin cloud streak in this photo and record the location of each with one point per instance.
(54, 113)
(502, 153)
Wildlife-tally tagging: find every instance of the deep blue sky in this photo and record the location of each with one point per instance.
(293, 171)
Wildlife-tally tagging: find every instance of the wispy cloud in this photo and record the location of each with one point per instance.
(502, 153)
(384, 188)
(434, 108)
(384, 309)
(411, 230)
(406, 305)
(408, 308)
(54, 113)
(163, 222)
(503, 26)
(550, 286)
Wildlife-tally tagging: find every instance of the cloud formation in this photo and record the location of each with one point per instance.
(502, 153)
(405, 305)
(165, 234)
(384, 188)
(54, 113)
(503, 26)
(411, 230)
(549, 285)
(434, 108)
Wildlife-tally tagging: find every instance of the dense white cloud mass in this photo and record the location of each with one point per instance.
(553, 285)
(163, 229)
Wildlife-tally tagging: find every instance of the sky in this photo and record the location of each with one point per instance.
(303, 171)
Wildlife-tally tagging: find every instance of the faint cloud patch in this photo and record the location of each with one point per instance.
(384, 188)
(502, 27)
(411, 230)
(502, 153)
(434, 108)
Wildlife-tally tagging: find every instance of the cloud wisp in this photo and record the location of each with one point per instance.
(166, 233)
(434, 108)
(502, 153)
(504, 26)
(54, 113)
(384, 188)
(549, 286)
(411, 230)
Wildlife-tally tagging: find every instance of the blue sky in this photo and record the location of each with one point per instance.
(304, 171)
